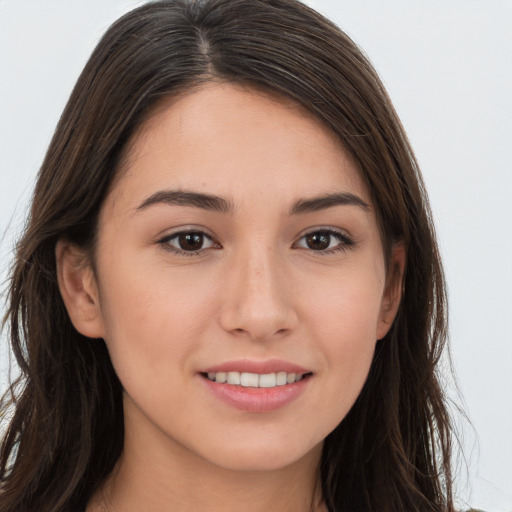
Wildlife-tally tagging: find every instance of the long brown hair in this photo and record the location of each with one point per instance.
(392, 451)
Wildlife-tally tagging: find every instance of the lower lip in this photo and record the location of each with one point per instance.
(257, 399)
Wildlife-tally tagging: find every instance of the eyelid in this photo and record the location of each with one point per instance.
(187, 228)
(163, 241)
(346, 241)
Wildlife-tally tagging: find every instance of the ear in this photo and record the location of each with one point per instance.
(392, 291)
(78, 288)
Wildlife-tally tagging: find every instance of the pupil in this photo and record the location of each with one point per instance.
(318, 241)
(191, 241)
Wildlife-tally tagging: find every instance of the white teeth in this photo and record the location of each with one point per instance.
(255, 380)
(267, 380)
(219, 377)
(281, 378)
(249, 380)
(234, 378)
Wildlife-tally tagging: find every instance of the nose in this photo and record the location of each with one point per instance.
(256, 299)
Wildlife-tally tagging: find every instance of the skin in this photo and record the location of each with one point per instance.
(255, 290)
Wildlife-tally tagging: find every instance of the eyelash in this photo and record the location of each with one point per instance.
(164, 242)
(345, 242)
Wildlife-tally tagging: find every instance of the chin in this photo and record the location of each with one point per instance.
(262, 456)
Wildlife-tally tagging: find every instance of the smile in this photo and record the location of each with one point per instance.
(255, 380)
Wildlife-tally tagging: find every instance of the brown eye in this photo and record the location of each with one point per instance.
(318, 241)
(325, 241)
(191, 241)
(188, 243)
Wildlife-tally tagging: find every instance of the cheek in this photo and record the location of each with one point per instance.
(152, 316)
(342, 319)
(345, 306)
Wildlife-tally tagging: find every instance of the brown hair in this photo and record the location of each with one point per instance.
(392, 451)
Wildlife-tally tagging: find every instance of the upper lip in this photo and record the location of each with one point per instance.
(254, 366)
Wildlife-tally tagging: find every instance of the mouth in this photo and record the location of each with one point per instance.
(257, 386)
(256, 380)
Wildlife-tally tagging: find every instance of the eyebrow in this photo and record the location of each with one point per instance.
(184, 198)
(221, 205)
(327, 201)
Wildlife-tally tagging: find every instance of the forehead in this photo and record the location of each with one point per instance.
(236, 142)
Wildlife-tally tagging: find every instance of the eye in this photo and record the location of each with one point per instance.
(325, 241)
(187, 242)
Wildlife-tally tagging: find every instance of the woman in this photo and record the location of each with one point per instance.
(229, 291)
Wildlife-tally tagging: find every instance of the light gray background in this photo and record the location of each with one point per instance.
(447, 65)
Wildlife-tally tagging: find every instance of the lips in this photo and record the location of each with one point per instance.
(256, 386)
(259, 367)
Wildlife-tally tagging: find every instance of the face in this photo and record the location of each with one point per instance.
(239, 280)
